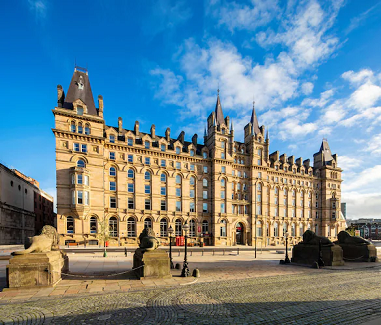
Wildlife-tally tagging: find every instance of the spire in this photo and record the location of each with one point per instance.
(218, 111)
(326, 151)
(254, 121)
(267, 135)
(231, 126)
(80, 89)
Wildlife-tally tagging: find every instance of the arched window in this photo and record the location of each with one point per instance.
(293, 230)
(192, 181)
(93, 225)
(163, 177)
(276, 229)
(192, 228)
(112, 171)
(81, 163)
(70, 225)
(205, 182)
(73, 128)
(147, 176)
(223, 228)
(178, 227)
(178, 179)
(131, 227)
(80, 128)
(147, 223)
(259, 187)
(259, 228)
(87, 129)
(205, 227)
(113, 227)
(223, 182)
(284, 229)
(130, 173)
(163, 227)
(301, 229)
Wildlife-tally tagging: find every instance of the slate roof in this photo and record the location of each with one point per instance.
(218, 111)
(324, 148)
(254, 122)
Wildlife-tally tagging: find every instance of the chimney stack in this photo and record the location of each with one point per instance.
(153, 135)
(100, 104)
(136, 128)
(168, 134)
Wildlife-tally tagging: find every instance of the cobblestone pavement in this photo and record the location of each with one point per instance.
(320, 297)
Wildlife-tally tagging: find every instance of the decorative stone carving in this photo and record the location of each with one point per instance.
(148, 240)
(356, 249)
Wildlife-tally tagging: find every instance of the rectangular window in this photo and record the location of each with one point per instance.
(285, 201)
(333, 214)
(317, 205)
(192, 207)
(79, 179)
(223, 170)
(129, 141)
(222, 155)
(147, 189)
(86, 198)
(191, 194)
(205, 207)
(112, 186)
(86, 180)
(79, 197)
(285, 212)
(246, 209)
(76, 146)
(147, 161)
(233, 172)
(113, 202)
(147, 204)
(112, 155)
(130, 158)
(222, 194)
(178, 165)
(163, 205)
(276, 200)
(259, 162)
(276, 212)
(178, 205)
(162, 147)
(130, 187)
(146, 144)
(259, 209)
(178, 192)
(84, 148)
(222, 207)
(233, 208)
(163, 190)
(162, 163)
(204, 194)
(205, 169)
(112, 138)
(72, 197)
(317, 215)
(131, 203)
(239, 173)
(192, 167)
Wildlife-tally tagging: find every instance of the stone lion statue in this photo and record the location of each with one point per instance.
(345, 238)
(45, 242)
(147, 240)
(310, 238)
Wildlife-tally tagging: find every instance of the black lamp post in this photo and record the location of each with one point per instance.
(185, 272)
(286, 260)
(170, 232)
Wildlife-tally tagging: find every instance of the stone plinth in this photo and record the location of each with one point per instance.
(36, 269)
(308, 254)
(360, 253)
(153, 264)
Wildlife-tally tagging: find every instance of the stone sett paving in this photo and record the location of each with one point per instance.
(319, 297)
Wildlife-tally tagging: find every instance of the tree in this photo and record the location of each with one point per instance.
(103, 234)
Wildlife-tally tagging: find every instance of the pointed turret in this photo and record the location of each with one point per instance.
(254, 121)
(218, 111)
(232, 126)
(324, 156)
(80, 89)
(326, 151)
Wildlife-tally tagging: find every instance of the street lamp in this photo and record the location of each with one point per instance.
(286, 260)
(170, 232)
(185, 272)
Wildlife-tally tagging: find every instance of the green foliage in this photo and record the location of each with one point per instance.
(103, 233)
(351, 230)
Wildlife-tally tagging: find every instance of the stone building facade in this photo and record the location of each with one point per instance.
(229, 192)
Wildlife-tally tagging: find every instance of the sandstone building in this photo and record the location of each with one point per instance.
(24, 207)
(229, 192)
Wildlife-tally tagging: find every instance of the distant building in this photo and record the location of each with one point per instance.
(20, 215)
(369, 228)
(229, 192)
(344, 209)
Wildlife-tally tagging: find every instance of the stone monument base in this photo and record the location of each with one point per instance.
(153, 264)
(36, 269)
(360, 253)
(308, 254)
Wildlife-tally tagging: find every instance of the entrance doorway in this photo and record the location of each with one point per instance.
(239, 234)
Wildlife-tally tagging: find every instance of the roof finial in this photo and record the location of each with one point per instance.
(218, 89)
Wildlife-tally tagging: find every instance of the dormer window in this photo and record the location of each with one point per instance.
(79, 110)
(204, 155)
(191, 152)
(146, 144)
(162, 147)
(112, 138)
(178, 150)
(242, 150)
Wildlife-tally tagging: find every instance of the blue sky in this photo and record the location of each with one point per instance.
(313, 68)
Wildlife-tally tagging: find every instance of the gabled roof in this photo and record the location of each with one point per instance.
(80, 88)
(324, 148)
(254, 122)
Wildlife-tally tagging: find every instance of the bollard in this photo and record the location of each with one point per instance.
(125, 251)
(191, 253)
(196, 273)
(237, 250)
(179, 253)
(202, 252)
(213, 252)
(177, 266)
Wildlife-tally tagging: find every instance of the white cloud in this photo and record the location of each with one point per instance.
(325, 97)
(349, 163)
(365, 96)
(292, 127)
(366, 181)
(358, 77)
(38, 7)
(307, 88)
(374, 145)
